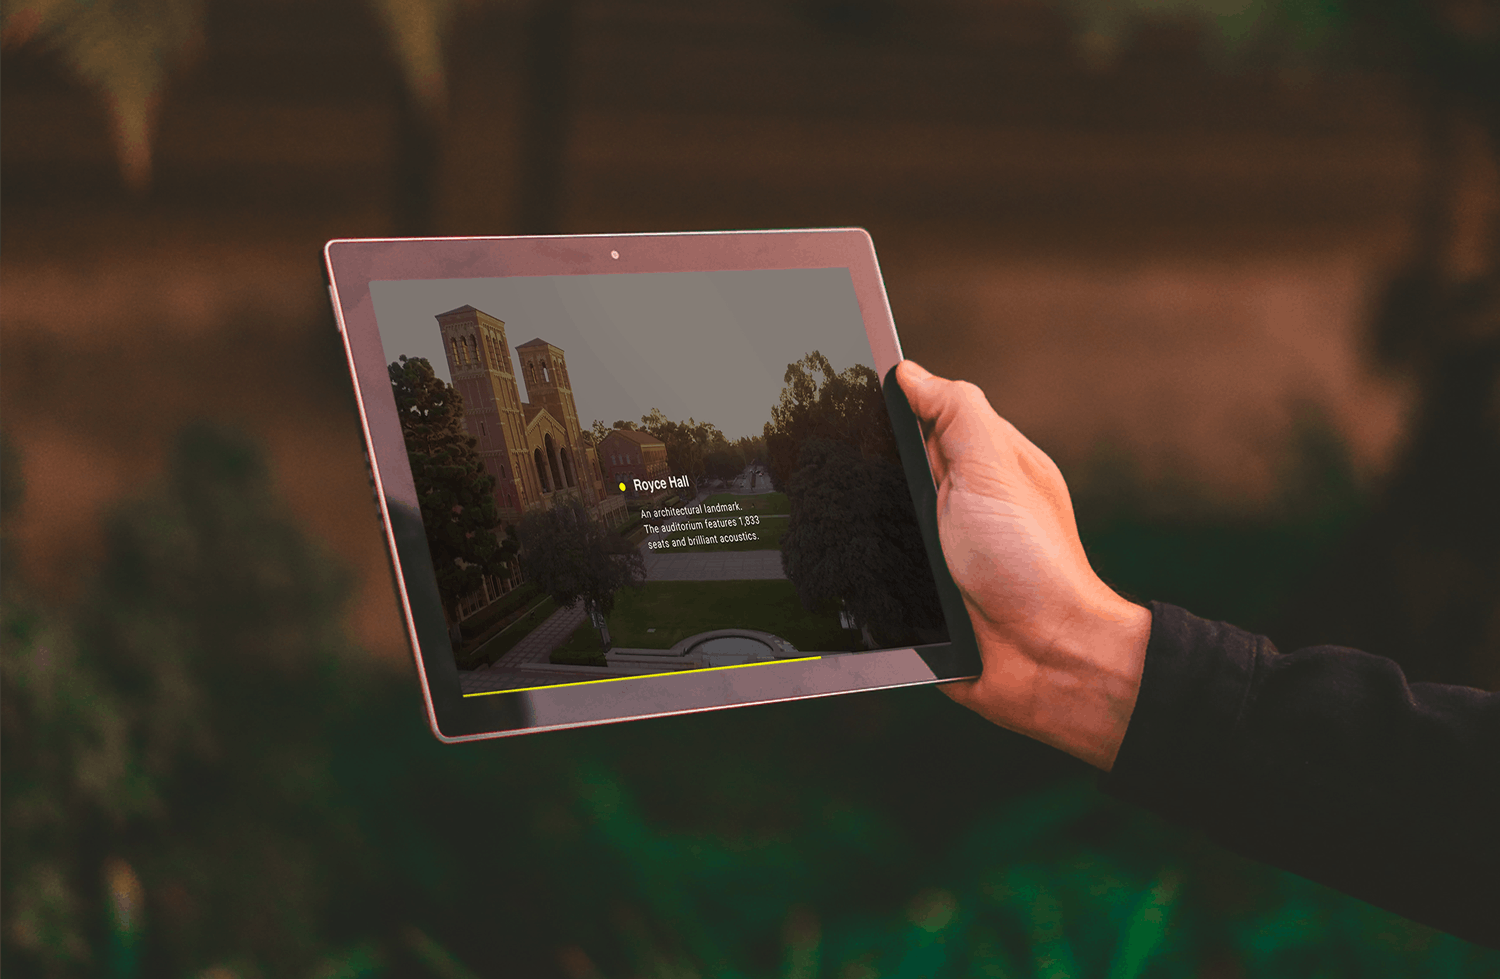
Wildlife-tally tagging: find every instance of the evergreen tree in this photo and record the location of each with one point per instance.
(455, 493)
(853, 541)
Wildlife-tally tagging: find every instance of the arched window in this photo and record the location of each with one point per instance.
(568, 470)
(541, 470)
(557, 480)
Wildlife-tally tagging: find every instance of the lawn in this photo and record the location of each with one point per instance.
(581, 648)
(678, 609)
(759, 503)
(512, 634)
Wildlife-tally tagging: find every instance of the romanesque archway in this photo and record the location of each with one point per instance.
(557, 480)
(541, 470)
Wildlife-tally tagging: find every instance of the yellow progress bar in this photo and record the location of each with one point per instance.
(643, 676)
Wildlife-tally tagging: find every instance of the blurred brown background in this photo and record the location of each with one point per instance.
(1150, 252)
(1235, 266)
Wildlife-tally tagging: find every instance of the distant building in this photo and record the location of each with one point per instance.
(627, 454)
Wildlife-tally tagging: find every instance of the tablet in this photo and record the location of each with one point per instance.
(629, 476)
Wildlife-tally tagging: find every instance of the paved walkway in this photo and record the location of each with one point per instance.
(539, 643)
(517, 668)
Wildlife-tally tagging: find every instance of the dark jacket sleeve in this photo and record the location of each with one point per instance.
(1324, 762)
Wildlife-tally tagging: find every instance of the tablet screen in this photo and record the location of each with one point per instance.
(639, 474)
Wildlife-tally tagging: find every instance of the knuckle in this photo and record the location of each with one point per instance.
(970, 392)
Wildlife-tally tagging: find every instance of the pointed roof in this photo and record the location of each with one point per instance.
(533, 413)
(466, 308)
(538, 342)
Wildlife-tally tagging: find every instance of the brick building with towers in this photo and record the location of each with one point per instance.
(535, 449)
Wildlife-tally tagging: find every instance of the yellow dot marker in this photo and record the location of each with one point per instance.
(622, 487)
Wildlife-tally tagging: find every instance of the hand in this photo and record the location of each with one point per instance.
(1062, 653)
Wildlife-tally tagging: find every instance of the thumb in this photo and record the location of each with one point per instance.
(915, 381)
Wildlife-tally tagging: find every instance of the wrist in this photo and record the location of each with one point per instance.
(1087, 675)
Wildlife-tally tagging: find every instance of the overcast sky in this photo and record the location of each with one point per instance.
(707, 345)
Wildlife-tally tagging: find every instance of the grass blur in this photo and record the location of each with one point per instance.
(583, 647)
(265, 804)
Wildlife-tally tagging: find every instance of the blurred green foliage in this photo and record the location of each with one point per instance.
(202, 778)
(1162, 538)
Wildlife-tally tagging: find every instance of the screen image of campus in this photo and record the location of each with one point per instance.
(644, 474)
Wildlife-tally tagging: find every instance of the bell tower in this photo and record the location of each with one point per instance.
(479, 362)
(548, 386)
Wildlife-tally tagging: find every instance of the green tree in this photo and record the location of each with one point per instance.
(752, 448)
(690, 444)
(724, 461)
(455, 493)
(818, 402)
(601, 430)
(572, 557)
(853, 541)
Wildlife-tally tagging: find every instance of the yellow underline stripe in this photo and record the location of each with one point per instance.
(643, 676)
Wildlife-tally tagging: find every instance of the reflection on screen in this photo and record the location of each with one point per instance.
(678, 472)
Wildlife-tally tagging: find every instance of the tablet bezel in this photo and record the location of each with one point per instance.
(352, 264)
